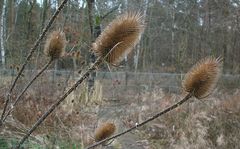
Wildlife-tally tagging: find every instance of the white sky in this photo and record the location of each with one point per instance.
(39, 1)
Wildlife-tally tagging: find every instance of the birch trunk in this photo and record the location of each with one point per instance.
(137, 53)
(2, 33)
(173, 33)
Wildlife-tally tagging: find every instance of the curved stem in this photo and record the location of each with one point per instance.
(30, 55)
(25, 89)
(144, 122)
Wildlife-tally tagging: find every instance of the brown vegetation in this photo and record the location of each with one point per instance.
(104, 131)
(55, 44)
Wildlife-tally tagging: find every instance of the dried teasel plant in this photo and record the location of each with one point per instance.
(119, 37)
(117, 40)
(30, 54)
(203, 77)
(104, 131)
(199, 82)
(54, 48)
(55, 45)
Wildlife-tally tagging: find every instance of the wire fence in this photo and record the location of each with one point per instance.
(117, 84)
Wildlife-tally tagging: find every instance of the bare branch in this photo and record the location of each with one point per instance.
(57, 103)
(144, 122)
(30, 55)
(25, 89)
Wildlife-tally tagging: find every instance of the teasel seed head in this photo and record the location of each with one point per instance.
(104, 131)
(119, 37)
(55, 44)
(203, 77)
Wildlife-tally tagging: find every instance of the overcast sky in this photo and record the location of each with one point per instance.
(39, 1)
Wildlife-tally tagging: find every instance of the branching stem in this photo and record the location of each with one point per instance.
(8, 97)
(25, 89)
(57, 103)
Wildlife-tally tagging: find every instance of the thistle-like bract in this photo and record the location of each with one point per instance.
(55, 44)
(119, 37)
(203, 77)
(104, 131)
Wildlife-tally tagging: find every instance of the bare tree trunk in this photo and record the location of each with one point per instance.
(137, 53)
(92, 57)
(3, 33)
(172, 34)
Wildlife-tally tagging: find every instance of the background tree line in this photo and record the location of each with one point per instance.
(177, 34)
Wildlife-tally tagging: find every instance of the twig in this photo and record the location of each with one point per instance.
(30, 55)
(143, 123)
(5, 107)
(43, 117)
(25, 89)
(56, 104)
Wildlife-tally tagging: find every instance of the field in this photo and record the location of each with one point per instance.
(126, 99)
(119, 74)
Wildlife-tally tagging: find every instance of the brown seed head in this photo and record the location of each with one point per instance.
(73, 53)
(119, 37)
(203, 77)
(55, 44)
(104, 131)
(77, 55)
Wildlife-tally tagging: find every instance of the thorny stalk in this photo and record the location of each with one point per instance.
(8, 96)
(144, 122)
(57, 103)
(25, 89)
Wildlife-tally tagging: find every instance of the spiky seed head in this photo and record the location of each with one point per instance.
(55, 44)
(104, 131)
(203, 77)
(119, 37)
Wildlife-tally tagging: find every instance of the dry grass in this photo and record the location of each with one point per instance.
(73, 122)
(212, 124)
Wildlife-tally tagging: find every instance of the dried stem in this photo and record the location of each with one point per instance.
(30, 55)
(57, 103)
(5, 106)
(143, 123)
(25, 89)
